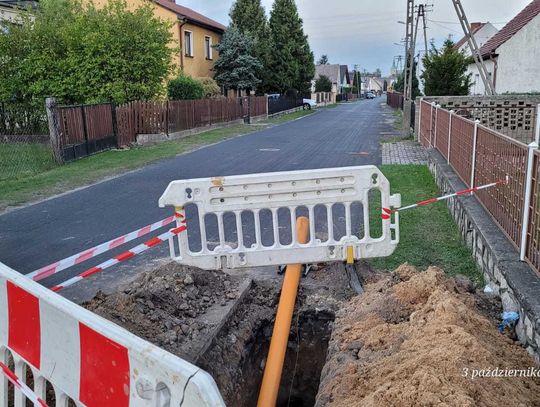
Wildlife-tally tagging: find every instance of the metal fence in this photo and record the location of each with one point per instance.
(86, 129)
(24, 141)
(395, 100)
(480, 155)
(283, 103)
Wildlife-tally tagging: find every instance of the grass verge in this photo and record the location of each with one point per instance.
(288, 117)
(428, 235)
(91, 169)
(398, 119)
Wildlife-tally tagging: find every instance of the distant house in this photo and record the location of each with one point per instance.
(338, 75)
(193, 33)
(376, 84)
(481, 32)
(512, 54)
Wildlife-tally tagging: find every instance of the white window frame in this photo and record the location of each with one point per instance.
(190, 54)
(208, 51)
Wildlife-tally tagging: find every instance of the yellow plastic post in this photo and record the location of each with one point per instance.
(282, 326)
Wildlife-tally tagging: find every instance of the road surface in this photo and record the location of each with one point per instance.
(39, 234)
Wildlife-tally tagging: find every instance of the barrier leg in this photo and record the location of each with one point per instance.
(280, 335)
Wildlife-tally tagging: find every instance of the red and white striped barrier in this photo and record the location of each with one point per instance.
(85, 357)
(122, 257)
(27, 391)
(70, 261)
(387, 212)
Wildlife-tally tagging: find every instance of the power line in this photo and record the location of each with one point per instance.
(453, 22)
(446, 28)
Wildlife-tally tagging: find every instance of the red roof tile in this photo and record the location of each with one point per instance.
(517, 23)
(475, 27)
(190, 14)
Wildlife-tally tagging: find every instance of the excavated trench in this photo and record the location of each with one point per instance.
(237, 354)
(223, 323)
(404, 342)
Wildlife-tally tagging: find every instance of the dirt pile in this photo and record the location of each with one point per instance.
(168, 306)
(414, 339)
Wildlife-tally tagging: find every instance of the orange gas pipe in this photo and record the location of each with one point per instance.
(282, 326)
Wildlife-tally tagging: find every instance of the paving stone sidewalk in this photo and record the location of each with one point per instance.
(404, 152)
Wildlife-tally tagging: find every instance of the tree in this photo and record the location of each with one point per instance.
(249, 17)
(399, 86)
(81, 54)
(357, 82)
(445, 71)
(292, 64)
(237, 66)
(323, 84)
(185, 88)
(323, 60)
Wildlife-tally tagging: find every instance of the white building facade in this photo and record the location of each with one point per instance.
(512, 56)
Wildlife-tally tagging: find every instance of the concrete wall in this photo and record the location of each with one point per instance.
(518, 62)
(512, 115)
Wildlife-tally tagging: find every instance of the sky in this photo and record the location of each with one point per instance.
(364, 32)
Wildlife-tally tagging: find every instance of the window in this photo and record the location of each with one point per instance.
(188, 43)
(208, 47)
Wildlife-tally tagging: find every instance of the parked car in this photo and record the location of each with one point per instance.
(309, 104)
(370, 95)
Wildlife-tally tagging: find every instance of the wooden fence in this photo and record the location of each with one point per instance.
(155, 117)
(395, 100)
(85, 129)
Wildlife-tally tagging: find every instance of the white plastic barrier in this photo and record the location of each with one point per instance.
(237, 203)
(86, 358)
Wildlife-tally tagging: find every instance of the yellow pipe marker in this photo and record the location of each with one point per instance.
(282, 327)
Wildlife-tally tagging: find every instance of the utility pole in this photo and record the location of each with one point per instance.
(422, 10)
(409, 50)
(473, 45)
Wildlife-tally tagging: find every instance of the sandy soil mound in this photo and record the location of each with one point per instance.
(168, 306)
(408, 342)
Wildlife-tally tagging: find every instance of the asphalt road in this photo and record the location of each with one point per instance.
(39, 234)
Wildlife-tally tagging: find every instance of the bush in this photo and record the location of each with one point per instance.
(211, 88)
(80, 54)
(323, 84)
(185, 88)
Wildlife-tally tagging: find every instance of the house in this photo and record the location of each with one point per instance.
(338, 75)
(481, 32)
(376, 84)
(193, 33)
(511, 55)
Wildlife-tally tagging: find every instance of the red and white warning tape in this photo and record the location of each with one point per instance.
(58, 266)
(387, 212)
(27, 391)
(122, 257)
